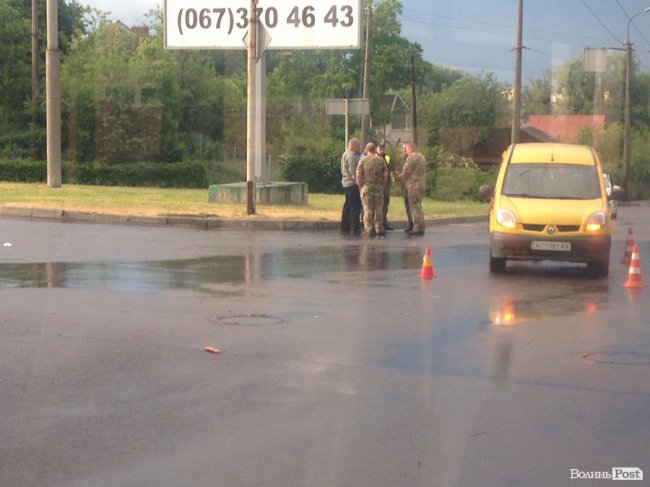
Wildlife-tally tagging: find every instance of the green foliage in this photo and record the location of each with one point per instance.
(464, 114)
(451, 177)
(178, 175)
(314, 161)
(581, 92)
(164, 175)
(126, 98)
(225, 171)
(609, 147)
(23, 171)
(15, 68)
(640, 164)
(536, 97)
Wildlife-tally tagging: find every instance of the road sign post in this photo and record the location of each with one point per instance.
(347, 107)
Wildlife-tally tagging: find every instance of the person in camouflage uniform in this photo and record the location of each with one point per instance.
(371, 177)
(414, 180)
(390, 165)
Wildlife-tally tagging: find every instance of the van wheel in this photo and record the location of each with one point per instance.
(598, 269)
(497, 264)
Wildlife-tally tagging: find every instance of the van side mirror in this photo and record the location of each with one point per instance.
(618, 194)
(486, 191)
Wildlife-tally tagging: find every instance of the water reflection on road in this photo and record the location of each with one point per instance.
(195, 274)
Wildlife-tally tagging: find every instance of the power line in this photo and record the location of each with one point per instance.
(446, 22)
(600, 21)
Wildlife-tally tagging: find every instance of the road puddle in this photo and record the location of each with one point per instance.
(206, 272)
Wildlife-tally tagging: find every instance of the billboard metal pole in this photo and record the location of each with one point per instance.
(251, 105)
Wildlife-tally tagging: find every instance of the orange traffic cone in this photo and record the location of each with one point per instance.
(427, 267)
(627, 256)
(634, 279)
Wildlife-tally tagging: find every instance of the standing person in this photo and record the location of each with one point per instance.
(381, 152)
(398, 175)
(350, 217)
(371, 176)
(414, 180)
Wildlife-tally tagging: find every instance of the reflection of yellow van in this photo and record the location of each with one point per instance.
(550, 203)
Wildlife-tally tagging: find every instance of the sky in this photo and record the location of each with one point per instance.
(478, 36)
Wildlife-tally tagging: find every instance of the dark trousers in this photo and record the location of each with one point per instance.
(407, 207)
(351, 215)
(386, 201)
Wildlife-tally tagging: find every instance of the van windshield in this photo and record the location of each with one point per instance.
(554, 180)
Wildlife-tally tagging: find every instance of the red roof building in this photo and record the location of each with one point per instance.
(566, 128)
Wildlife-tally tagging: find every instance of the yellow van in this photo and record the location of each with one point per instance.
(550, 203)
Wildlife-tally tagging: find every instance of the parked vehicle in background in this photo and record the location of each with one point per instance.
(550, 203)
(613, 204)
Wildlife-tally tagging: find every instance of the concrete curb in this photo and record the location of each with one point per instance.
(207, 223)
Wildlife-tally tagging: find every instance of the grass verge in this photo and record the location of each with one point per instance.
(166, 202)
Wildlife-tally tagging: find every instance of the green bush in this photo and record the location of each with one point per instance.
(451, 177)
(457, 183)
(315, 162)
(164, 175)
(23, 171)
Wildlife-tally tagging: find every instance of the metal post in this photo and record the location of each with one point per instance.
(251, 104)
(627, 143)
(626, 137)
(53, 95)
(262, 169)
(516, 110)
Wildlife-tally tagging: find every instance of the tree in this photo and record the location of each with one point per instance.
(536, 97)
(15, 72)
(580, 92)
(15, 76)
(466, 112)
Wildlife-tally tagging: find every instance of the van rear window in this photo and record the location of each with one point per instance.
(555, 181)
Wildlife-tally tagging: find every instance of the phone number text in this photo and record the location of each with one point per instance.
(227, 19)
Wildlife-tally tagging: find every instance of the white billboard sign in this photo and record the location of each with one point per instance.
(290, 24)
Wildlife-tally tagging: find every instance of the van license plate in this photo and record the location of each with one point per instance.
(555, 246)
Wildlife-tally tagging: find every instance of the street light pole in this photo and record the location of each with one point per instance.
(628, 92)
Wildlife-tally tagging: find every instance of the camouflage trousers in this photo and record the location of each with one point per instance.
(372, 198)
(415, 205)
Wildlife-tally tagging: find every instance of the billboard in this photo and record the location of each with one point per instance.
(293, 24)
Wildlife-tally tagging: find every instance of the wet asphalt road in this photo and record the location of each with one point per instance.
(339, 366)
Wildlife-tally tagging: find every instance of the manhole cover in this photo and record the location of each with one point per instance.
(249, 320)
(617, 358)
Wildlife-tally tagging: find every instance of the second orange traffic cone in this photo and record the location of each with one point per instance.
(629, 245)
(634, 279)
(427, 266)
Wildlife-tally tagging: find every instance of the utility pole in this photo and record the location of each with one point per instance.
(251, 105)
(53, 95)
(516, 109)
(414, 101)
(627, 142)
(365, 119)
(626, 137)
